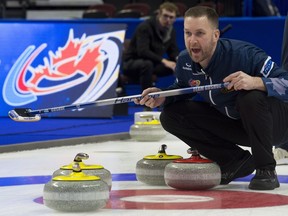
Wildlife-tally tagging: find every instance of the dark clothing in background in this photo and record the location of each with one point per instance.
(284, 55)
(149, 44)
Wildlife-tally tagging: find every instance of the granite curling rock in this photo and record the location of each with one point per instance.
(147, 127)
(76, 192)
(150, 169)
(194, 173)
(94, 170)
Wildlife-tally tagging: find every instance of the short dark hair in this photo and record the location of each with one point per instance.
(169, 6)
(200, 11)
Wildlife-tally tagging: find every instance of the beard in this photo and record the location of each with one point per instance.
(201, 54)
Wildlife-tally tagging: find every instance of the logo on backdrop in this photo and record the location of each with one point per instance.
(93, 57)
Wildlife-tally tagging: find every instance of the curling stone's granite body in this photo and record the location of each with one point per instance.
(147, 127)
(93, 170)
(76, 193)
(194, 173)
(150, 169)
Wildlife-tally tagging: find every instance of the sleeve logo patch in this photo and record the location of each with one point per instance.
(267, 67)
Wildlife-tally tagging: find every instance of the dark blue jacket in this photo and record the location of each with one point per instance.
(230, 56)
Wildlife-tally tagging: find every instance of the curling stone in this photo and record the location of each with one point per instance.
(76, 192)
(194, 173)
(138, 116)
(147, 127)
(94, 170)
(150, 169)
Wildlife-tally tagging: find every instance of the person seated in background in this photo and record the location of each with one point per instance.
(281, 151)
(153, 39)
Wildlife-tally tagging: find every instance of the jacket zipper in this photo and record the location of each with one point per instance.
(210, 95)
(227, 113)
(209, 92)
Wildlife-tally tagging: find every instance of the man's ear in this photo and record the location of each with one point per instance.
(216, 34)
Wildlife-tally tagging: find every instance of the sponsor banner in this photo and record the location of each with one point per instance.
(56, 63)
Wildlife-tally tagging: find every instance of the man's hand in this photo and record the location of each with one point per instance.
(242, 81)
(169, 64)
(150, 102)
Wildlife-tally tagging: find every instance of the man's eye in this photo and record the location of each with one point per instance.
(187, 33)
(199, 33)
